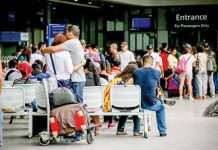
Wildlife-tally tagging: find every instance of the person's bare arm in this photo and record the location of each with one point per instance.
(130, 82)
(1, 77)
(171, 75)
(76, 68)
(52, 49)
(162, 71)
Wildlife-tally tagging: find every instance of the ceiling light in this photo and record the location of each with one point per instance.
(90, 3)
(112, 6)
(75, 0)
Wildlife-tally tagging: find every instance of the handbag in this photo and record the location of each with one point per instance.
(61, 96)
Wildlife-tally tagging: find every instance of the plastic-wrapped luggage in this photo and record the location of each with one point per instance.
(70, 118)
(68, 124)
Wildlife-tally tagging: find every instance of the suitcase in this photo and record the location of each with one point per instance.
(54, 126)
(79, 121)
(39, 124)
(73, 118)
(172, 88)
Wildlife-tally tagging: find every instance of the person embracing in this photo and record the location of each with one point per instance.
(76, 51)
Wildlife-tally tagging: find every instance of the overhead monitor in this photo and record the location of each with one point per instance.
(141, 23)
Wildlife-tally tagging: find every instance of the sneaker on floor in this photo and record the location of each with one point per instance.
(181, 98)
(163, 134)
(111, 125)
(213, 96)
(170, 102)
(137, 133)
(122, 133)
(191, 98)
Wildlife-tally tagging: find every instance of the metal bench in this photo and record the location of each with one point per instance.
(125, 100)
(12, 100)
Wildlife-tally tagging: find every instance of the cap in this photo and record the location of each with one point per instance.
(188, 46)
(124, 44)
(26, 68)
(149, 46)
(206, 45)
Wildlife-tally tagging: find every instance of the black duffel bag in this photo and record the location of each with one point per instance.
(61, 96)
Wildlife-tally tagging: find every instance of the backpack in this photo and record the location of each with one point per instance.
(182, 65)
(90, 80)
(61, 96)
(211, 63)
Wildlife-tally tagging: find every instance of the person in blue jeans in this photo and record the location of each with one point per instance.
(148, 79)
(126, 76)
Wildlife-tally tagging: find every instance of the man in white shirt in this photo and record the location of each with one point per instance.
(12, 73)
(157, 64)
(35, 56)
(126, 56)
(41, 46)
(76, 51)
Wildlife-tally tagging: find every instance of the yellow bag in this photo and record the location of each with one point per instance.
(107, 102)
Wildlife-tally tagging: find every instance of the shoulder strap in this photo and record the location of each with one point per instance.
(189, 58)
(27, 79)
(8, 74)
(52, 61)
(197, 56)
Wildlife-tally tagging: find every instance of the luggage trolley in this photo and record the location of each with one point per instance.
(51, 134)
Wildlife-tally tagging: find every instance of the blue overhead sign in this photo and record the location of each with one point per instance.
(13, 36)
(53, 30)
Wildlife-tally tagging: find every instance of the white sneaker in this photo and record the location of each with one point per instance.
(181, 98)
(191, 98)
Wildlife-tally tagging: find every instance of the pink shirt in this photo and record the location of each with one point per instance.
(94, 55)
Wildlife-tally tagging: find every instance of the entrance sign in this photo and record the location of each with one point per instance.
(191, 21)
(192, 18)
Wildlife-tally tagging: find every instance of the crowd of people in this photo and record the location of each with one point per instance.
(72, 63)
